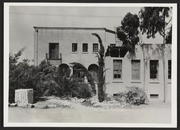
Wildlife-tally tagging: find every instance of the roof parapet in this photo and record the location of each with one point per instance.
(76, 28)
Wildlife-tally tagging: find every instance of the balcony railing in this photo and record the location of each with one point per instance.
(54, 56)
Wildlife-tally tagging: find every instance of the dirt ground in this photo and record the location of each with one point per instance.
(152, 113)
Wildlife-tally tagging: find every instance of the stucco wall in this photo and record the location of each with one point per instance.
(144, 53)
(65, 38)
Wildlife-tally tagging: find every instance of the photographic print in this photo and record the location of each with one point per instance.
(90, 65)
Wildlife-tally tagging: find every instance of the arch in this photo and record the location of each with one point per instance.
(64, 70)
(93, 69)
(78, 71)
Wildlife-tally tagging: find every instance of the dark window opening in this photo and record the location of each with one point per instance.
(85, 47)
(74, 47)
(95, 47)
(116, 51)
(169, 69)
(153, 69)
(53, 50)
(154, 96)
(117, 69)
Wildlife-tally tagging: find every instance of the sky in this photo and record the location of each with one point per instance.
(23, 18)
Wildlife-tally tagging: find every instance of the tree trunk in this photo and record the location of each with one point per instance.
(101, 79)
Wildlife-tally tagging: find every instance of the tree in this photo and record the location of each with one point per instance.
(128, 31)
(153, 20)
(169, 36)
(101, 77)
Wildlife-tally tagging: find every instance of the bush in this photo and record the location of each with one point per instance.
(45, 80)
(134, 95)
(82, 90)
(72, 87)
(23, 76)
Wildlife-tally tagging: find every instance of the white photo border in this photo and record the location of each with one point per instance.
(173, 123)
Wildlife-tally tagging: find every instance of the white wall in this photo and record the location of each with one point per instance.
(151, 52)
(65, 38)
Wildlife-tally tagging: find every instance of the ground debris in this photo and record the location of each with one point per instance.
(13, 105)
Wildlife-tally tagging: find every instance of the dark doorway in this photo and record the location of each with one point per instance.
(93, 69)
(53, 50)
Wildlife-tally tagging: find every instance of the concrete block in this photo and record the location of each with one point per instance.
(23, 97)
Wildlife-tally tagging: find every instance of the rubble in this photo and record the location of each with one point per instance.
(13, 105)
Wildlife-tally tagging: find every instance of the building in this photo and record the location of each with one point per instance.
(64, 45)
(144, 70)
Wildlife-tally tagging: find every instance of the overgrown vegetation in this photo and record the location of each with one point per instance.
(134, 96)
(45, 80)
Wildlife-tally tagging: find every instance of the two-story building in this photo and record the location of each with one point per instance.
(149, 68)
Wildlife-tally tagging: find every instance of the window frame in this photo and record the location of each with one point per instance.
(76, 47)
(169, 70)
(54, 51)
(120, 70)
(83, 47)
(139, 70)
(157, 69)
(93, 47)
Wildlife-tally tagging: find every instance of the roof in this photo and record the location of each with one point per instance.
(76, 28)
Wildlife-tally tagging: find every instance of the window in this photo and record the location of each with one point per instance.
(154, 96)
(153, 69)
(95, 47)
(85, 47)
(117, 69)
(169, 69)
(74, 47)
(53, 50)
(135, 69)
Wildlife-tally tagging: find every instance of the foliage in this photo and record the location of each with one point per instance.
(87, 74)
(134, 95)
(44, 84)
(101, 77)
(153, 20)
(23, 76)
(45, 80)
(72, 86)
(128, 31)
(81, 90)
(169, 36)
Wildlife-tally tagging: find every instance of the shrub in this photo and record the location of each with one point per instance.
(72, 87)
(134, 95)
(82, 90)
(22, 75)
(45, 80)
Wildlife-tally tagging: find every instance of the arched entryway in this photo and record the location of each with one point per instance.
(93, 69)
(78, 71)
(64, 70)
